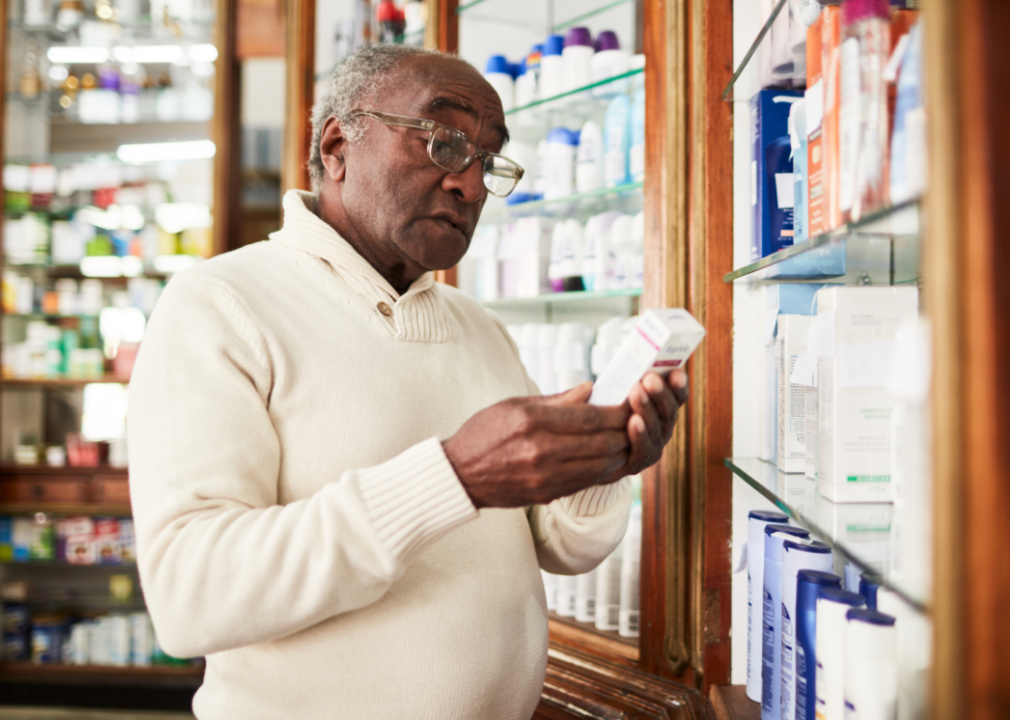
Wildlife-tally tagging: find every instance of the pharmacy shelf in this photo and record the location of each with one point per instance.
(562, 297)
(565, 205)
(143, 28)
(881, 248)
(83, 601)
(861, 532)
(62, 382)
(571, 22)
(504, 11)
(752, 50)
(6, 470)
(161, 675)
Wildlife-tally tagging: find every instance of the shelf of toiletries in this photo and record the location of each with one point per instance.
(95, 31)
(881, 248)
(863, 533)
(837, 145)
(617, 197)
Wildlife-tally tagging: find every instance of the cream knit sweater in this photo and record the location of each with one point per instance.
(297, 520)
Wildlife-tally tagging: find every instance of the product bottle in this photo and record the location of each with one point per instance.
(798, 144)
(605, 261)
(623, 246)
(617, 141)
(540, 176)
(37, 12)
(636, 154)
(591, 242)
(829, 688)
(868, 586)
(863, 116)
(559, 173)
(566, 595)
(771, 617)
(609, 61)
(555, 274)
(498, 74)
(525, 86)
(871, 664)
(552, 68)
(589, 160)
(637, 278)
(571, 259)
(631, 558)
(31, 76)
(70, 14)
(608, 591)
(796, 556)
(585, 597)
(578, 58)
(809, 585)
(757, 520)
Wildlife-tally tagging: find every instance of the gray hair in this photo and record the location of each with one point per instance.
(360, 75)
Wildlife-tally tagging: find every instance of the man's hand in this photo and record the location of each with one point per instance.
(527, 451)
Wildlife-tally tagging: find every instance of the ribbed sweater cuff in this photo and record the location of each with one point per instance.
(593, 500)
(415, 498)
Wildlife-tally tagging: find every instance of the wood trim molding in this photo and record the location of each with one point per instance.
(665, 553)
(443, 34)
(710, 300)
(580, 685)
(300, 60)
(225, 130)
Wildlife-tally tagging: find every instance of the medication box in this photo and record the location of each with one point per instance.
(853, 337)
(772, 190)
(662, 341)
(790, 343)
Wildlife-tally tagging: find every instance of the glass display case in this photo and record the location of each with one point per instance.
(113, 154)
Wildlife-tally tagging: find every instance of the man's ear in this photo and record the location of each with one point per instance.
(332, 145)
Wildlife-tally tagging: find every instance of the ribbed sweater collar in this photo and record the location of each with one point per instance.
(419, 315)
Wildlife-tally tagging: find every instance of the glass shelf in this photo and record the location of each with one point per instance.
(727, 94)
(563, 205)
(562, 297)
(882, 248)
(591, 13)
(575, 100)
(861, 532)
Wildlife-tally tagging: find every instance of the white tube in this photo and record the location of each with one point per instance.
(832, 606)
(608, 591)
(871, 666)
(566, 596)
(756, 522)
(631, 558)
(585, 597)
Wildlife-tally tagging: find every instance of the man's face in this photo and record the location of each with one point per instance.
(406, 208)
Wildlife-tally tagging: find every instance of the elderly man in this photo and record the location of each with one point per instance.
(343, 490)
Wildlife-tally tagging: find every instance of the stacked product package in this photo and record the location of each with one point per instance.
(73, 540)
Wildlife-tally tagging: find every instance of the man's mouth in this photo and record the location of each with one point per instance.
(452, 222)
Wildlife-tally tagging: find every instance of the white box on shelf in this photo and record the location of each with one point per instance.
(662, 341)
(853, 338)
(790, 343)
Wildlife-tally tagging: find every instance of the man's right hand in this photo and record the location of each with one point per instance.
(529, 451)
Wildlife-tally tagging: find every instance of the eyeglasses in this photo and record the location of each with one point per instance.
(454, 151)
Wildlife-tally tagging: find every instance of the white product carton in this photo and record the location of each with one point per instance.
(662, 341)
(854, 336)
(792, 425)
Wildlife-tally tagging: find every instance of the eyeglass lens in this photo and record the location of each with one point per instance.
(453, 151)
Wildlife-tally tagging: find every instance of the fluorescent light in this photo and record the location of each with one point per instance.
(203, 53)
(149, 54)
(174, 263)
(158, 152)
(68, 55)
(101, 266)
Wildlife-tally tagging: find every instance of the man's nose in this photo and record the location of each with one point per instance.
(468, 185)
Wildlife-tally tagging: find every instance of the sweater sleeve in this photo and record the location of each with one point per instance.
(574, 534)
(221, 563)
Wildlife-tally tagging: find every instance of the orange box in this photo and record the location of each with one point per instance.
(831, 66)
(816, 196)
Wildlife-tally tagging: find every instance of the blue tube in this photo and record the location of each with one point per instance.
(868, 586)
(809, 586)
